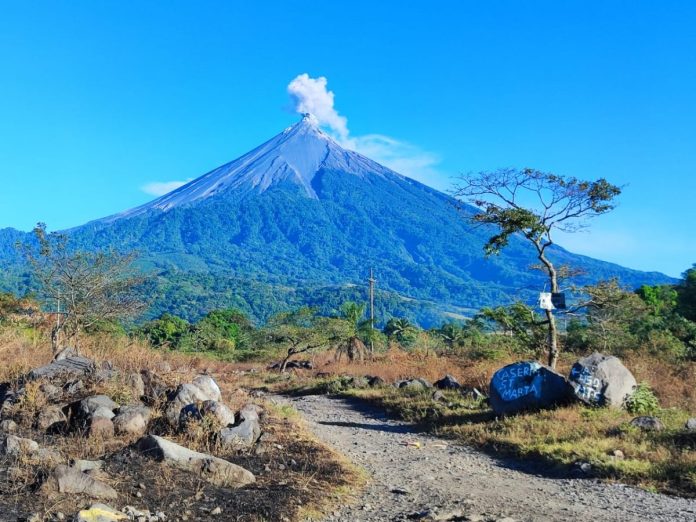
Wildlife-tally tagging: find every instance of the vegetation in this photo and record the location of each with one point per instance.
(534, 205)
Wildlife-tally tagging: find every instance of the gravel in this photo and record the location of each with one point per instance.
(417, 476)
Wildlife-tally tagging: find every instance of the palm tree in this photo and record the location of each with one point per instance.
(357, 330)
(401, 330)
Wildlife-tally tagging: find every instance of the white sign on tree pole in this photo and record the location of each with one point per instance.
(545, 301)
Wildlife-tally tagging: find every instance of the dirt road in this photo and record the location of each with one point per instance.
(414, 474)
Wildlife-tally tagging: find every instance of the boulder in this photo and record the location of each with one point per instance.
(64, 479)
(100, 513)
(154, 386)
(212, 469)
(690, 424)
(246, 432)
(648, 423)
(68, 367)
(184, 395)
(527, 385)
(52, 419)
(132, 420)
(208, 386)
(448, 383)
(601, 380)
(48, 457)
(14, 446)
(222, 413)
(97, 405)
(413, 384)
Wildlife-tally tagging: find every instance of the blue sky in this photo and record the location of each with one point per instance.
(99, 100)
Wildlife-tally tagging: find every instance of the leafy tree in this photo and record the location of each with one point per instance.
(89, 287)
(534, 205)
(401, 330)
(297, 332)
(166, 332)
(519, 322)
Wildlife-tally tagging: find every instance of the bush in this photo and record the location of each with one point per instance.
(643, 401)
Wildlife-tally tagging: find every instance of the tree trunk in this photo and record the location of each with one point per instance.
(286, 361)
(552, 342)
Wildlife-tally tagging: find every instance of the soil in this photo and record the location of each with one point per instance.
(418, 476)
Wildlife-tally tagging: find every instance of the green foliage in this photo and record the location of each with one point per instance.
(642, 401)
(165, 332)
(520, 323)
(401, 330)
(686, 295)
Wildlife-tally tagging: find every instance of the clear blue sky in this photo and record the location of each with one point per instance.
(99, 99)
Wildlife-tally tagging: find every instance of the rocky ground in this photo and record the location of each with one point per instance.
(415, 476)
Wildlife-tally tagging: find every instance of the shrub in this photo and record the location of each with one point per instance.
(642, 401)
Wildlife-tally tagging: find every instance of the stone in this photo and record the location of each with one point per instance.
(14, 446)
(690, 424)
(526, 386)
(212, 469)
(208, 386)
(648, 423)
(104, 412)
(48, 457)
(90, 405)
(618, 454)
(100, 513)
(64, 479)
(69, 367)
(601, 380)
(438, 396)
(51, 392)
(132, 420)
(136, 383)
(216, 511)
(87, 465)
(374, 381)
(247, 430)
(52, 419)
(184, 395)
(8, 426)
(223, 415)
(101, 427)
(413, 384)
(447, 383)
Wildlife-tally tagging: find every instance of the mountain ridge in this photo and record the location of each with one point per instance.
(302, 212)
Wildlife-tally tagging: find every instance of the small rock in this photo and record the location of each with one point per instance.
(14, 446)
(135, 382)
(438, 396)
(52, 419)
(648, 423)
(101, 427)
(618, 454)
(65, 479)
(413, 384)
(8, 426)
(87, 465)
(132, 420)
(448, 383)
(97, 403)
(216, 511)
(690, 424)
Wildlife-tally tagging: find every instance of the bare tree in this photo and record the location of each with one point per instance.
(534, 205)
(88, 287)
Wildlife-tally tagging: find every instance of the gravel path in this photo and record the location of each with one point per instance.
(444, 481)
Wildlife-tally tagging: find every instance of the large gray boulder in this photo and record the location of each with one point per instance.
(184, 395)
(601, 380)
(246, 432)
(526, 386)
(212, 469)
(98, 406)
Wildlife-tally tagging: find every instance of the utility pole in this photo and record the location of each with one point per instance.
(372, 282)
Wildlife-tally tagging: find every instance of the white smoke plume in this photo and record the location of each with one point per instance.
(310, 95)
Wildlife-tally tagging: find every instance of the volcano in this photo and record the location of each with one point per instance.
(300, 220)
